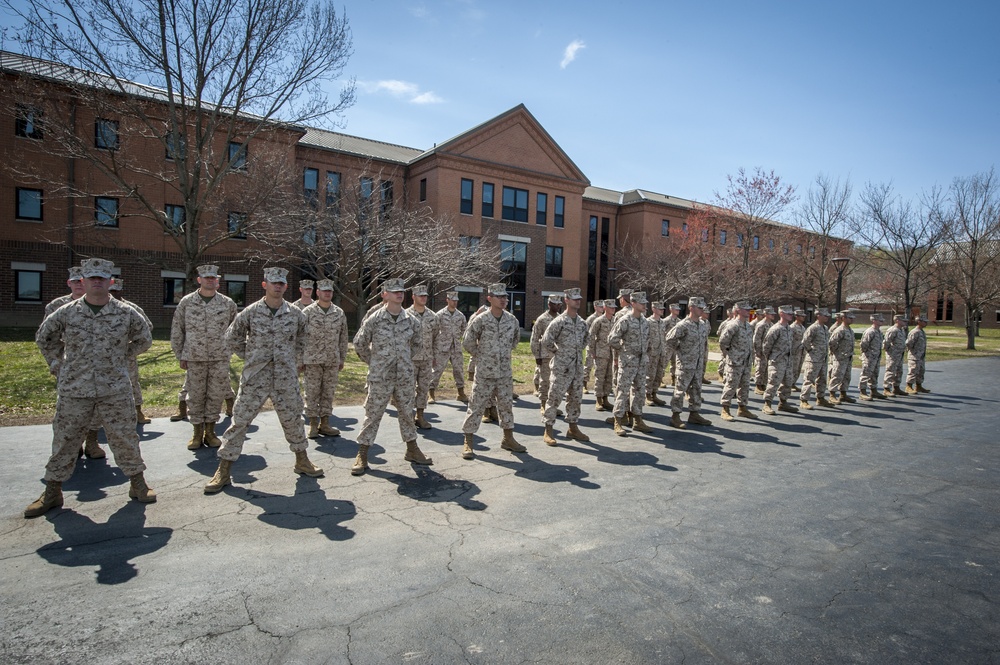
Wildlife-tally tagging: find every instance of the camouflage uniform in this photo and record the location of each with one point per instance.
(387, 346)
(815, 351)
(841, 341)
(272, 346)
(798, 356)
(760, 330)
(736, 345)
(656, 354)
(685, 340)
(57, 303)
(916, 344)
(89, 354)
(491, 341)
(777, 353)
(564, 340)
(589, 364)
(671, 357)
(423, 355)
(630, 337)
(601, 351)
(894, 344)
(871, 354)
(325, 353)
(705, 329)
(542, 356)
(198, 336)
(449, 347)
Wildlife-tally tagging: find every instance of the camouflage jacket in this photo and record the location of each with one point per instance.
(916, 343)
(57, 303)
(630, 337)
(326, 335)
(430, 326)
(842, 343)
(655, 346)
(299, 305)
(537, 330)
(871, 343)
(598, 337)
(452, 327)
(894, 342)
(777, 346)
(263, 339)
(798, 333)
(759, 333)
(736, 342)
(89, 352)
(686, 341)
(388, 346)
(490, 341)
(816, 342)
(564, 341)
(198, 329)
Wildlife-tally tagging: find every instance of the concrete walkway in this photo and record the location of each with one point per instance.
(865, 534)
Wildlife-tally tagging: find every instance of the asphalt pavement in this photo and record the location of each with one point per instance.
(869, 533)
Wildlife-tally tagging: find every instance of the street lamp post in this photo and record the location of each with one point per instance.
(840, 263)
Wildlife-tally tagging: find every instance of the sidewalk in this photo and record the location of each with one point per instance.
(864, 534)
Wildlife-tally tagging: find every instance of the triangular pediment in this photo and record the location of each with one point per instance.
(516, 140)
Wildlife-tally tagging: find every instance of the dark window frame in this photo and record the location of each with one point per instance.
(102, 140)
(466, 196)
(559, 215)
(171, 291)
(665, 228)
(239, 298)
(722, 237)
(333, 184)
(541, 208)
(18, 296)
(170, 210)
(553, 261)
(236, 225)
(17, 204)
(237, 156)
(514, 207)
(488, 204)
(112, 219)
(28, 124)
(423, 189)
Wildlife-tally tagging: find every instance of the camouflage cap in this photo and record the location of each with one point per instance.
(75, 274)
(452, 295)
(839, 315)
(324, 285)
(800, 312)
(393, 285)
(624, 293)
(823, 311)
(877, 317)
(208, 271)
(276, 275)
(306, 284)
(117, 284)
(573, 294)
(675, 306)
(555, 299)
(899, 317)
(610, 303)
(497, 290)
(769, 310)
(639, 297)
(850, 314)
(922, 318)
(598, 303)
(419, 290)
(97, 268)
(743, 304)
(787, 309)
(697, 301)
(657, 304)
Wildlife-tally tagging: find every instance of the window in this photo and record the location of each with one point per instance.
(173, 291)
(236, 225)
(29, 203)
(28, 123)
(237, 156)
(739, 239)
(515, 204)
(553, 261)
(423, 189)
(812, 252)
(175, 146)
(559, 221)
(488, 199)
(665, 228)
(784, 248)
(722, 237)
(106, 211)
(175, 218)
(386, 194)
(333, 190)
(798, 249)
(514, 263)
(704, 235)
(238, 292)
(28, 285)
(541, 206)
(367, 189)
(470, 243)
(466, 206)
(756, 242)
(310, 186)
(770, 244)
(106, 134)
(684, 228)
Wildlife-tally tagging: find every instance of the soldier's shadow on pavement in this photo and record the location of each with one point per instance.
(432, 487)
(693, 441)
(110, 546)
(91, 480)
(337, 446)
(308, 508)
(144, 436)
(757, 437)
(531, 468)
(609, 455)
(206, 462)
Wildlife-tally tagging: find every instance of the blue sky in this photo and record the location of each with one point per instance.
(672, 97)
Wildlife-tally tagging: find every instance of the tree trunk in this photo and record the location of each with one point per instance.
(970, 327)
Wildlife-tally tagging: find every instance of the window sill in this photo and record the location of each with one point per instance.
(29, 220)
(28, 302)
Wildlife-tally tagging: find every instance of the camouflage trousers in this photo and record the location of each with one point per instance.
(869, 374)
(283, 390)
(673, 367)
(456, 360)
(133, 377)
(780, 377)
(207, 385)
(183, 394)
(631, 389)
(916, 370)
(688, 382)
(816, 371)
(760, 372)
(798, 362)
(840, 374)
(380, 391)
(893, 371)
(603, 373)
(654, 375)
(486, 393)
(543, 377)
(321, 387)
(72, 420)
(736, 384)
(423, 375)
(588, 368)
(567, 382)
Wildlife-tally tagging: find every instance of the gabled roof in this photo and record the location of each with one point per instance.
(355, 145)
(643, 195)
(603, 195)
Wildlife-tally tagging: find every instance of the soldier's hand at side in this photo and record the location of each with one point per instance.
(184, 364)
(302, 368)
(538, 361)
(340, 367)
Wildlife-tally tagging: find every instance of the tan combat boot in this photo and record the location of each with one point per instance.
(462, 397)
(744, 412)
(910, 390)
(586, 388)
(220, 479)
(182, 412)
(834, 399)
(640, 426)
(575, 433)
(921, 389)
(139, 490)
(607, 405)
(786, 407)
(767, 410)
(758, 390)
(653, 400)
(229, 406)
(326, 429)
(726, 415)
(619, 425)
(885, 394)
(490, 415)
(675, 421)
(51, 498)
(862, 395)
(706, 381)
(431, 399)
(415, 456)
(806, 405)
(140, 417)
(91, 448)
(599, 404)
(628, 419)
(211, 440)
(313, 428)
(847, 399)
(550, 436)
(360, 462)
(419, 420)
(695, 418)
(197, 437)
(467, 451)
(304, 466)
(509, 443)
(897, 392)
(822, 401)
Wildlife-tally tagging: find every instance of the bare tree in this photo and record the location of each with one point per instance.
(903, 239)
(217, 86)
(751, 202)
(970, 256)
(822, 218)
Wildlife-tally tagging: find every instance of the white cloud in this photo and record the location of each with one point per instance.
(402, 89)
(569, 55)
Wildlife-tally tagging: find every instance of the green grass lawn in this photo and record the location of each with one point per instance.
(28, 395)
